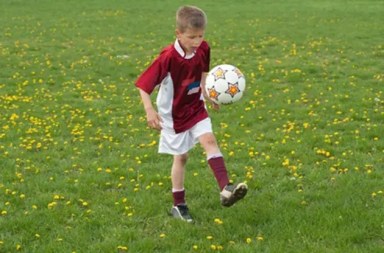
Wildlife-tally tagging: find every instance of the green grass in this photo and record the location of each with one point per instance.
(80, 170)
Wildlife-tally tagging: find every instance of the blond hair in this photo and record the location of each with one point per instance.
(190, 17)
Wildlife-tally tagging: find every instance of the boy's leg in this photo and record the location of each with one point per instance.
(177, 177)
(179, 209)
(215, 159)
(230, 193)
(178, 145)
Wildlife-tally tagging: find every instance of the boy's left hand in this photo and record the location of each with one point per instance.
(215, 106)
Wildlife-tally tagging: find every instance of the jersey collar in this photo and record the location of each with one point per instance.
(180, 50)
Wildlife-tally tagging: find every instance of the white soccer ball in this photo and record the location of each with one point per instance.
(225, 84)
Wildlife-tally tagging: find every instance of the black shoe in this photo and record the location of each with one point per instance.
(181, 212)
(233, 193)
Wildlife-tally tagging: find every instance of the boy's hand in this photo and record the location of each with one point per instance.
(153, 119)
(215, 106)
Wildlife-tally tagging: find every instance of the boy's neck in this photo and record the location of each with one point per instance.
(181, 50)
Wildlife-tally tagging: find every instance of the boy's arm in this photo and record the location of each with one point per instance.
(153, 118)
(206, 97)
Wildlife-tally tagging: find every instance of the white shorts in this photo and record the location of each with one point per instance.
(178, 144)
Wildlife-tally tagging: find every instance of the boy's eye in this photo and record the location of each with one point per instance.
(194, 37)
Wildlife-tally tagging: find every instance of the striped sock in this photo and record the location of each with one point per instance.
(178, 197)
(216, 162)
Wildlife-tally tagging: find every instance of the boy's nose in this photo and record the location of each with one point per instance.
(197, 42)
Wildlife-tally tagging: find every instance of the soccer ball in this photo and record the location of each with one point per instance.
(225, 84)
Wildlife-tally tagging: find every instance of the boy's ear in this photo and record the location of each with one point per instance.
(177, 32)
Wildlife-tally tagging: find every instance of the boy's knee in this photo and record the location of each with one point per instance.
(210, 141)
(181, 158)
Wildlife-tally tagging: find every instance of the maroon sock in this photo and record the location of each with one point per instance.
(178, 197)
(218, 167)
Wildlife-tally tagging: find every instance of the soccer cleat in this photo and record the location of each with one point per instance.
(181, 212)
(233, 193)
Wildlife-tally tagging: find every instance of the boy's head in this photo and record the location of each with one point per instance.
(190, 17)
(190, 27)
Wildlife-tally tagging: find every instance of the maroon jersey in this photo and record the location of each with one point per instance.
(179, 102)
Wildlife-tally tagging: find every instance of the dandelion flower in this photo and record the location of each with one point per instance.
(218, 221)
(122, 248)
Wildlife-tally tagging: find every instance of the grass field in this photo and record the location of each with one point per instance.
(80, 170)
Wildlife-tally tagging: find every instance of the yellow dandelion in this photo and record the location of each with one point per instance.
(218, 221)
(122, 248)
(52, 205)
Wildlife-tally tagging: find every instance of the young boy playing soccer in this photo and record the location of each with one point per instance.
(180, 71)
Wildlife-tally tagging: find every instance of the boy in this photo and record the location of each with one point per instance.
(180, 71)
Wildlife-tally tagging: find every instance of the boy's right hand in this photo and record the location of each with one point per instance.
(153, 119)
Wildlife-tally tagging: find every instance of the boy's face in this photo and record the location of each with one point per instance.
(190, 39)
